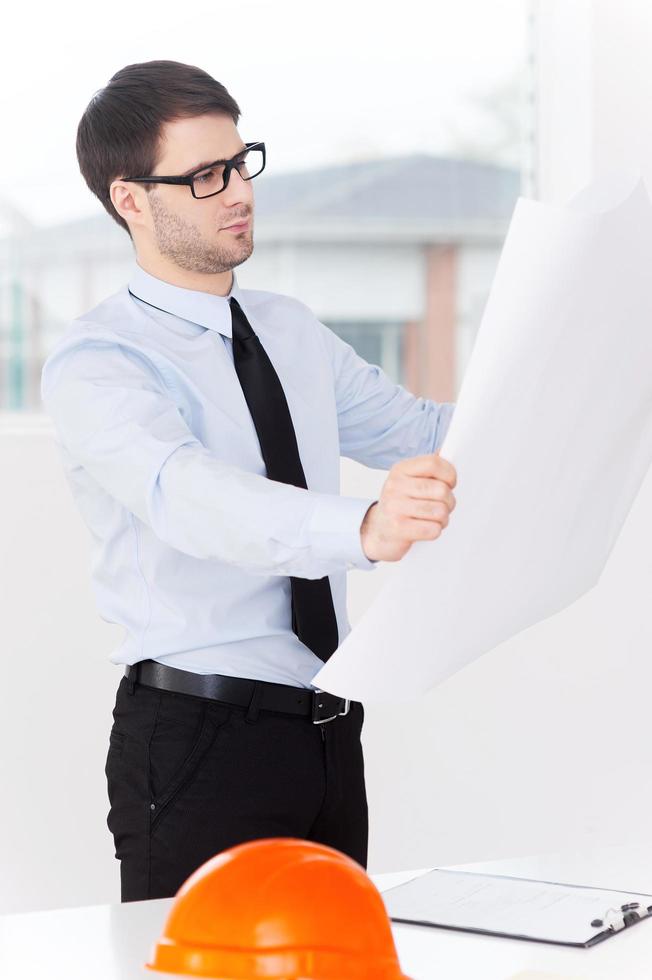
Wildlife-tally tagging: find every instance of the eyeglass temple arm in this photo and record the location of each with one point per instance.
(188, 180)
(160, 180)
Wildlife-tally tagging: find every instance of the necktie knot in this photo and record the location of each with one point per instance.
(241, 328)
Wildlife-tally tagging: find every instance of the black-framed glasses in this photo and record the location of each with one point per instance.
(214, 178)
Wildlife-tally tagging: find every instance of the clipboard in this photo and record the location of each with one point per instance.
(515, 908)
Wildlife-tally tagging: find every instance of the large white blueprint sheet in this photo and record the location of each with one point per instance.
(551, 439)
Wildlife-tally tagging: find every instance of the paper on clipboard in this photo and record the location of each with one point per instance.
(551, 438)
(518, 908)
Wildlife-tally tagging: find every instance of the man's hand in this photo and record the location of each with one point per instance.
(415, 503)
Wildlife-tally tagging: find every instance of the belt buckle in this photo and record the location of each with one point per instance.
(319, 703)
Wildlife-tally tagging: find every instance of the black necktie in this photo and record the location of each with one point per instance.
(313, 614)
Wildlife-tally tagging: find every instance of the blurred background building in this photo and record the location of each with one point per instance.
(395, 255)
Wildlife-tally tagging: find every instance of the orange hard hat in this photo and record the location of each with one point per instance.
(281, 909)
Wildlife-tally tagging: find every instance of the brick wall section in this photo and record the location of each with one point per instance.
(412, 330)
(437, 360)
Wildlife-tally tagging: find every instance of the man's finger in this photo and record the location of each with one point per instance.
(432, 465)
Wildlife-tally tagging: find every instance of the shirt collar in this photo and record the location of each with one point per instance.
(205, 309)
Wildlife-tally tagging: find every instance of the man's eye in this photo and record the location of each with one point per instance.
(205, 175)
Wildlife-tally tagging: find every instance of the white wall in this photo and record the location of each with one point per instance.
(57, 688)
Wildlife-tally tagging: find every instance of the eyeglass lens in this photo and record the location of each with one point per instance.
(249, 163)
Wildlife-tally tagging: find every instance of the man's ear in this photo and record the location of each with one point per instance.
(128, 201)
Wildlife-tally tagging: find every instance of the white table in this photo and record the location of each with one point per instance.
(111, 942)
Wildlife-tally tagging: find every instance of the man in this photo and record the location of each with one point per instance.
(201, 427)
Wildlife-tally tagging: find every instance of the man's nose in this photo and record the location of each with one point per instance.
(237, 189)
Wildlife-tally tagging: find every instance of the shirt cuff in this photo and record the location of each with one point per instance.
(335, 528)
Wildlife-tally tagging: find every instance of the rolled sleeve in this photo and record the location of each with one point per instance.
(380, 422)
(443, 420)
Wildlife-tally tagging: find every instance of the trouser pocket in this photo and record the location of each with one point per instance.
(183, 733)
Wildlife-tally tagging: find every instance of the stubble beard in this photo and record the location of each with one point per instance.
(182, 243)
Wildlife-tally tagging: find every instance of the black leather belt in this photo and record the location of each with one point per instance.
(319, 705)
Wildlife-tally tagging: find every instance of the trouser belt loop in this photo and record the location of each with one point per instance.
(132, 678)
(254, 704)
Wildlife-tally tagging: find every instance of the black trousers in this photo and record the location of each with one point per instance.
(188, 777)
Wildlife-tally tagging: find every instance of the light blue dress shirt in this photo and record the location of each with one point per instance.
(193, 544)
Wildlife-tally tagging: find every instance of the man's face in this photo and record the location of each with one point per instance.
(192, 233)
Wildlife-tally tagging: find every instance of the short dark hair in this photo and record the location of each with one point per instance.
(119, 132)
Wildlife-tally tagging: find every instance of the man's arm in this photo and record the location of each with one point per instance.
(380, 422)
(114, 415)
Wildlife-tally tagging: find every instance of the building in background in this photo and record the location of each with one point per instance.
(396, 255)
